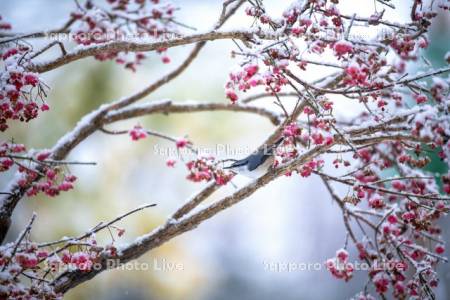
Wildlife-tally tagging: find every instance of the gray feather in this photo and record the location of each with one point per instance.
(253, 161)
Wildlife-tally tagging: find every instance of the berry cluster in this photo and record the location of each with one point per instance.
(22, 93)
(138, 133)
(339, 266)
(205, 169)
(38, 173)
(23, 260)
(123, 20)
(403, 207)
(41, 263)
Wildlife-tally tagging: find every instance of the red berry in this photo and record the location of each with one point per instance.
(439, 249)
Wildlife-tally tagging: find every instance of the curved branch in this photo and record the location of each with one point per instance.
(168, 107)
(196, 200)
(171, 229)
(131, 46)
(185, 222)
(11, 37)
(401, 82)
(89, 124)
(182, 221)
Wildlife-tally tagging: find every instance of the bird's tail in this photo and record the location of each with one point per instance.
(236, 164)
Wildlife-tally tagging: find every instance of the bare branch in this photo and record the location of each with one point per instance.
(94, 230)
(131, 46)
(167, 107)
(89, 124)
(172, 229)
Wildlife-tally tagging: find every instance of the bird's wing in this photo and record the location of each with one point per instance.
(256, 160)
(238, 163)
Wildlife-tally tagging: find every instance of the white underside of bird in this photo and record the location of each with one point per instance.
(258, 172)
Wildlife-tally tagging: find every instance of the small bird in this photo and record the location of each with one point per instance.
(256, 164)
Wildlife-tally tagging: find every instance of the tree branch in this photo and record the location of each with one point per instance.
(92, 122)
(168, 107)
(171, 228)
(131, 46)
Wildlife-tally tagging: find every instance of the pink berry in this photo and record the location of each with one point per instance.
(138, 133)
(170, 163)
(43, 155)
(439, 249)
(31, 79)
(343, 47)
(166, 59)
(392, 219)
(45, 107)
(232, 96)
(181, 143)
(421, 99)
